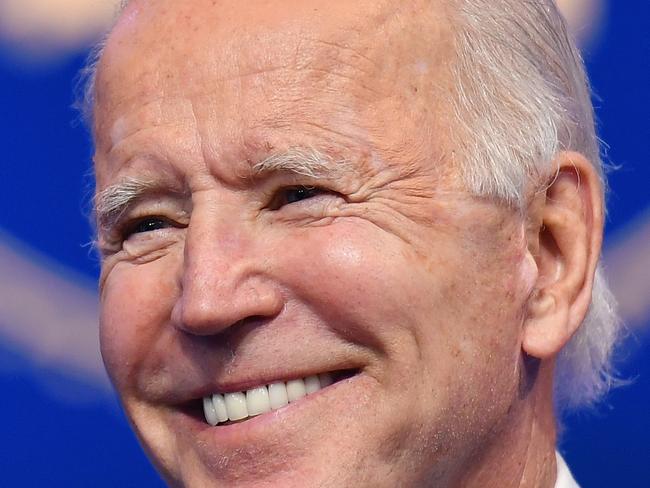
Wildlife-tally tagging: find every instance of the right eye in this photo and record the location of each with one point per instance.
(147, 224)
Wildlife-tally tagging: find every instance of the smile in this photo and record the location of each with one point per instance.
(223, 408)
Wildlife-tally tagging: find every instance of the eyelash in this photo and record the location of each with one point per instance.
(279, 200)
(304, 192)
(133, 227)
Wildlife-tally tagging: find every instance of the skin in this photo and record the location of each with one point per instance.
(451, 307)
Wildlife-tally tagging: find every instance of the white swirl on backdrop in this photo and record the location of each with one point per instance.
(45, 29)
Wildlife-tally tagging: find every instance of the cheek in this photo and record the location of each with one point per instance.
(357, 281)
(136, 304)
(442, 329)
(373, 288)
(482, 312)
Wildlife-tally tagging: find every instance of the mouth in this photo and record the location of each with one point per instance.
(224, 408)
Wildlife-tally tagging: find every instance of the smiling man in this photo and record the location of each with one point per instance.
(349, 244)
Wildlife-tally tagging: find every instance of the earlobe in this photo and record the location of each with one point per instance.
(546, 327)
(565, 243)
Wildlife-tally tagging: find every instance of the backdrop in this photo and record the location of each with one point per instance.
(62, 425)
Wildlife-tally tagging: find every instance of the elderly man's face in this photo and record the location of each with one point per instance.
(278, 200)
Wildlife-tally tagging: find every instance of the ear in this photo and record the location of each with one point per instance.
(564, 238)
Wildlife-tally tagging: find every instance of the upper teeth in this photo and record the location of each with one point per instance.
(240, 405)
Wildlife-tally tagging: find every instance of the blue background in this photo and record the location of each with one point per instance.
(48, 439)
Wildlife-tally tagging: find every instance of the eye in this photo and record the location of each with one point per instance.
(294, 194)
(298, 193)
(147, 224)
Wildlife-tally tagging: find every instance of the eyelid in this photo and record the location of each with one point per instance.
(124, 238)
(118, 230)
(130, 226)
(112, 210)
(279, 193)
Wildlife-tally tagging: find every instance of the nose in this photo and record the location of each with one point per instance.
(224, 281)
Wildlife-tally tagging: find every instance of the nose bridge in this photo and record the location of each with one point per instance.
(224, 280)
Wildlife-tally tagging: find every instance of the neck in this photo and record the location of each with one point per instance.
(522, 453)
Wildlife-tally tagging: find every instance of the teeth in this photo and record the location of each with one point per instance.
(296, 390)
(278, 395)
(220, 407)
(257, 401)
(239, 405)
(210, 411)
(312, 384)
(325, 379)
(236, 406)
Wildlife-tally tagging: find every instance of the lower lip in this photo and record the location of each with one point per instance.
(251, 430)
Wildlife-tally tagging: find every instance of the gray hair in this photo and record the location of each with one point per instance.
(522, 96)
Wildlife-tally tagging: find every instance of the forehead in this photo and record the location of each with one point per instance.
(269, 60)
(170, 27)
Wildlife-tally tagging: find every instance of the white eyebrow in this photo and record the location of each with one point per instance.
(302, 161)
(112, 201)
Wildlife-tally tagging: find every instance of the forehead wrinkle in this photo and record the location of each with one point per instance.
(151, 113)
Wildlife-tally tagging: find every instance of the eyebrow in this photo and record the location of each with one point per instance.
(113, 201)
(300, 161)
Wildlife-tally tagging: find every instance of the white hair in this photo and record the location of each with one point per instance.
(522, 96)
